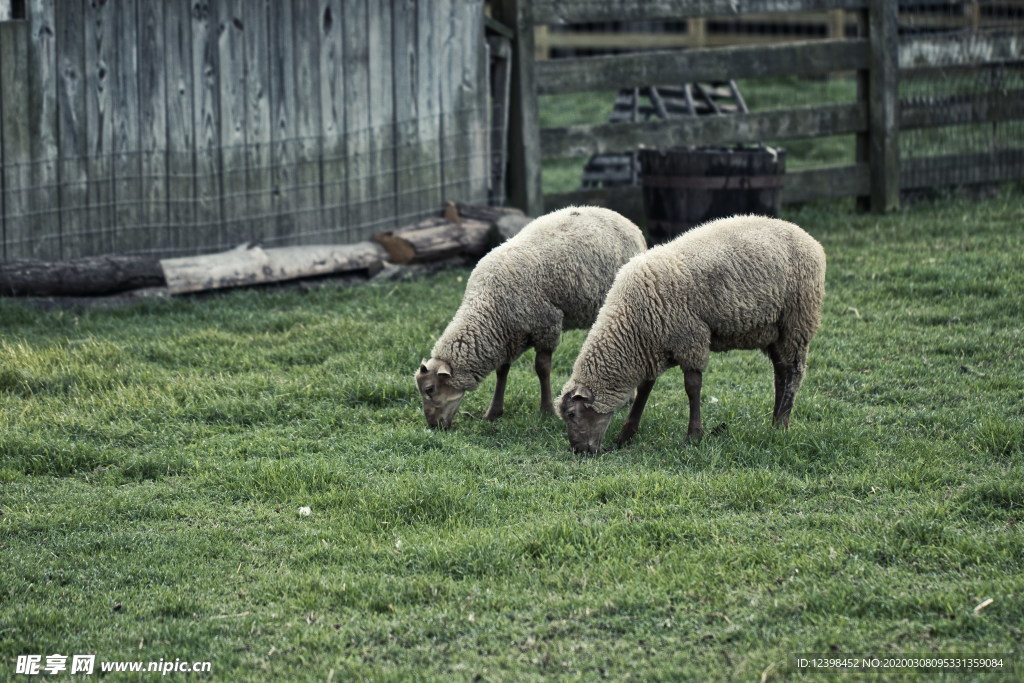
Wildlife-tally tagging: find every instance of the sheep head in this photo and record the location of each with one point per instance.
(586, 426)
(440, 399)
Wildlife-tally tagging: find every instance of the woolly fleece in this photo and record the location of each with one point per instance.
(744, 282)
(551, 276)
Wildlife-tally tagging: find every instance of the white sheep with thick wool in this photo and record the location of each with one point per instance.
(745, 282)
(552, 276)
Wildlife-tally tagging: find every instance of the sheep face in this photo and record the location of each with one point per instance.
(440, 399)
(586, 426)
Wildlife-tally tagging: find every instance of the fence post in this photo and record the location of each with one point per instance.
(523, 178)
(883, 105)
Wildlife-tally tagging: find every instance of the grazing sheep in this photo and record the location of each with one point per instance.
(551, 276)
(745, 282)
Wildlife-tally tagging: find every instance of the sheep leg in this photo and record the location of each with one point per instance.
(779, 369)
(793, 376)
(632, 423)
(542, 364)
(497, 406)
(692, 382)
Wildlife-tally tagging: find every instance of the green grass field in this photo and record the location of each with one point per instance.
(154, 458)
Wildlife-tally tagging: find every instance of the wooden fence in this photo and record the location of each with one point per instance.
(144, 126)
(878, 55)
(748, 29)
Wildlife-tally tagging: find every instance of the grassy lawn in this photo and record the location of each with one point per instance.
(154, 459)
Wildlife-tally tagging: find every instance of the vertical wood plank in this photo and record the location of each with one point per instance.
(476, 85)
(541, 43)
(404, 72)
(382, 113)
(500, 50)
(357, 117)
(836, 23)
(883, 110)
(14, 138)
(332, 119)
(524, 180)
(125, 113)
(72, 127)
(180, 144)
(206, 126)
(232, 27)
(427, 91)
(454, 145)
(862, 141)
(282, 101)
(153, 127)
(697, 28)
(3, 167)
(306, 81)
(42, 72)
(99, 55)
(258, 128)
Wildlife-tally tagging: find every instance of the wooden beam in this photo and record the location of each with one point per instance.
(614, 72)
(251, 265)
(524, 180)
(952, 110)
(861, 145)
(961, 169)
(831, 182)
(91, 276)
(972, 49)
(15, 140)
(883, 106)
(434, 239)
(580, 11)
(809, 122)
(43, 130)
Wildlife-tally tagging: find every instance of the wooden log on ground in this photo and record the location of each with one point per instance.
(487, 214)
(252, 265)
(434, 239)
(93, 276)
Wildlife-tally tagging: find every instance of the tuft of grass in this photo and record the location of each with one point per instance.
(154, 458)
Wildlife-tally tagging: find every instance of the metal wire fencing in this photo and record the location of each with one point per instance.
(953, 154)
(295, 191)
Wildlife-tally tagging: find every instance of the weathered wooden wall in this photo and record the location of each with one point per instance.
(142, 126)
(878, 54)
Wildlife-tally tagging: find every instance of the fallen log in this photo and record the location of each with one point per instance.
(92, 276)
(434, 239)
(253, 265)
(487, 214)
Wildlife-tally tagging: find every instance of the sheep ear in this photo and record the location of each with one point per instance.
(582, 394)
(423, 366)
(444, 370)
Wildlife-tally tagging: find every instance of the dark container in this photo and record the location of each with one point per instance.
(684, 187)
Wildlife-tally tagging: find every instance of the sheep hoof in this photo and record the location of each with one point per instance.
(492, 415)
(547, 408)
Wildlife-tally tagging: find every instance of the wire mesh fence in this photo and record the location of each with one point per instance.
(978, 127)
(937, 156)
(293, 191)
(167, 128)
(759, 94)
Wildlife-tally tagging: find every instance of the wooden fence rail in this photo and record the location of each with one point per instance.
(877, 55)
